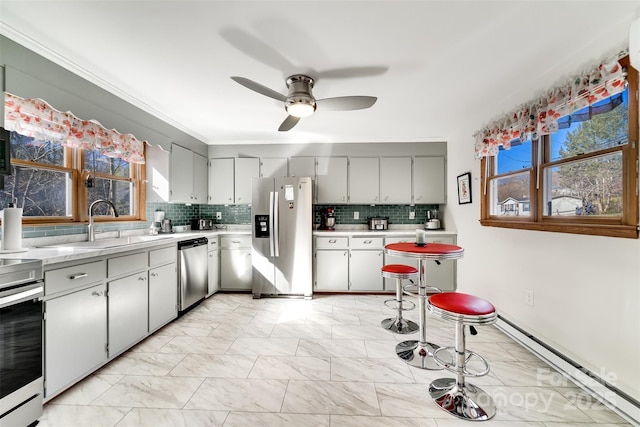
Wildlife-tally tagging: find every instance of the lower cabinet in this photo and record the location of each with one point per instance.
(75, 336)
(332, 270)
(163, 295)
(364, 271)
(214, 272)
(235, 269)
(128, 311)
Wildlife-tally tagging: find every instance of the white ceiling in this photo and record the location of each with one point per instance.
(449, 66)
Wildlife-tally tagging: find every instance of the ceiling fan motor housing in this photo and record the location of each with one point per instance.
(300, 96)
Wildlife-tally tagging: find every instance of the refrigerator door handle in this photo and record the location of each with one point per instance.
(271, 229)
(276, 222)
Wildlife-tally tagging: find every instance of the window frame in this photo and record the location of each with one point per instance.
(625, 226)
(75, 166)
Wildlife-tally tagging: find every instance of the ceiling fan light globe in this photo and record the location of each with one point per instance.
(300, 109)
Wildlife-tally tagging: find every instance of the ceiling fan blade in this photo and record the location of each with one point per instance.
(348, 72)
(257, 87)
(256, 49)
(345, 103)
(288, 123)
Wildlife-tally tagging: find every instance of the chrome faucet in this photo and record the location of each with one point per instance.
(90, 227)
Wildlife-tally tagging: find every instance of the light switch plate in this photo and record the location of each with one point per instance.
(356, 215)
(412, 214)
(218, 215)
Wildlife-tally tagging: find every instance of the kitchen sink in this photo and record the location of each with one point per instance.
(108, 243)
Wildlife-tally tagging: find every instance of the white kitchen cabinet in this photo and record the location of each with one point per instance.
(236, 270)
(429, 180)
(331, 262)
(200, 179)
(246, 169)
(157, 174)
(364, 180)
(163, 295)
(366, 258)
(188, 176)
(273, 167)
(395, 180)
(75, 336)
(302, 166)
(213, 266)
(332, 270)
(331, 180)
(221, 181)
(128, 311)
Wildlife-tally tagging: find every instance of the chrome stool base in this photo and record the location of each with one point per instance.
(467, 401)
(400, 326)
(418, 355)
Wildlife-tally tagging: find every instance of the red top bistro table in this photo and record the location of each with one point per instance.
(420, 353)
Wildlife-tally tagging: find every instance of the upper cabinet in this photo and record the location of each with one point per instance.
(429, 180)
(273, 167)
(157, 174)
(364, 180)
(302, 166)
(230, 180)
(395, 180)
(331, 180)
(188, 176)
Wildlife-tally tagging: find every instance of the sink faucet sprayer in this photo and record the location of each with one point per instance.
(90, 227)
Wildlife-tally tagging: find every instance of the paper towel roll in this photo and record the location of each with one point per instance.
(158, 216)
(11, 230)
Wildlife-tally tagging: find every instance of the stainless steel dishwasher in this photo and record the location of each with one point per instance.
(193, 271)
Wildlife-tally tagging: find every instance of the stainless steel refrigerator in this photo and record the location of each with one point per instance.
(281, 236)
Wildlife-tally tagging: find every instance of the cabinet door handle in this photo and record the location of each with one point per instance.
(97, 294)
(332, 241)
(154, 274)
(78, 276)
(368, 242)
(142, 278)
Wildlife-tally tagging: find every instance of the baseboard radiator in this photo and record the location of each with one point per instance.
(594, 384)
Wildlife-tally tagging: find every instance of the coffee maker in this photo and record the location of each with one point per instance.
(327, 220)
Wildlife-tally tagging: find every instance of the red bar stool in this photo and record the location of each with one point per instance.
(455, 396)
(398, 324)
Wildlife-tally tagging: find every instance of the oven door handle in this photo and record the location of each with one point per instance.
(22, 294)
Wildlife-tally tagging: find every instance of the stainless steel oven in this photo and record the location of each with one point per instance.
(21, 384)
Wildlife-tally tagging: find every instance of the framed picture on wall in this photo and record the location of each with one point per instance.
(464, 188)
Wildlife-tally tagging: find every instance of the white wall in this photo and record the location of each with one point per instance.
(586, 288)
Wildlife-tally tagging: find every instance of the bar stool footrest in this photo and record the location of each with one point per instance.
(451, 365)
(390, 304)
(467, 402)
(412, 289)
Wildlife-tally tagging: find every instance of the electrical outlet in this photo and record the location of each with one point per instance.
(218, 215)
(356, 215)
(528, 295)
(412, 214)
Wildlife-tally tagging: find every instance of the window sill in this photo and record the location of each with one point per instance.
(624, 231)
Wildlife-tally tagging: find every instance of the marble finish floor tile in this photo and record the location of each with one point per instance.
(247, 395)
(264, 346)
(143, 417)
(291, 368)
(331, 348)
(214, 365)
(328, 397)
(94, 416)
(150, 392)
(237, 361)
(245, 419)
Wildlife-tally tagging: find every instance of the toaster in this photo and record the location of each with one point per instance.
(202, 224)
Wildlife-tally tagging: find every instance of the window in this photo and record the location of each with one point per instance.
(582, 178)
(54, 184)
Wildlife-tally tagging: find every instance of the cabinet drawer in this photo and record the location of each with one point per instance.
(162, 256)
(213, 243)
(366, 243)
(67, 278)
(235, 242)
(332, 242)
(440, 239)
(400, 239)
(126, 264)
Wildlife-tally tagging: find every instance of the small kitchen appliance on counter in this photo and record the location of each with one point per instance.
(433, 220)
(167, 226)
(327, 220)
(202, 224)
(378, 223)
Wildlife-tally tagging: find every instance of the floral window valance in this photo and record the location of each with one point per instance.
(35, 118)
(542, 116)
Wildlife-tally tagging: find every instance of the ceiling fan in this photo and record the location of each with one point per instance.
(300, 102)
